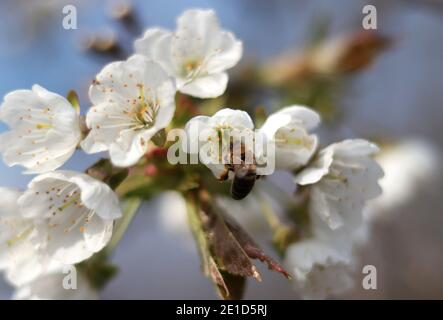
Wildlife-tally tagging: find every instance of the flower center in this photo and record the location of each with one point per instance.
(67, 209)
(191, 68)
(292, 137)
(147, 109)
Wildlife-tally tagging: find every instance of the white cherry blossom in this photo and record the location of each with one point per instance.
(320, 270)
(18, 255)
(209, 137)
(411, 167)
(73, 215)
(289, 129)
(132, 101)
(19, 258)
(342, 178)
(197, 54)
(44, 129)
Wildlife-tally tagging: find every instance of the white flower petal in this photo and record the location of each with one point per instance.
(193, 127)
(8, 205)
(130, 148)
(343, 178)
(288, 129)
(273, 123)
(226, 53)
(19, 255)
(301, 115)
(210, 86)
(44, 131)
(156, 45)
(317, 170)
(148, 42)
(354, 148)
(24, 266)
(195, 34)
(231, 118)
(98, 232)
(96, 195)
(320, 270)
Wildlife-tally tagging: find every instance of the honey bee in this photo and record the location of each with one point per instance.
(244, 180)
(245, 174)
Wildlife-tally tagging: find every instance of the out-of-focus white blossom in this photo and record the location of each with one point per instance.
(171, 207)
(197, 54)
(17, 253)
(342, 178)
(289, 129)
(409, 166)
(49, 286)
(73, 215)
(33, 275)
(132, 101)
(208, 135)
(44, 129)
(9, 210)
(320, 269)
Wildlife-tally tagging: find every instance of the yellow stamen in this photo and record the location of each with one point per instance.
(43, 126)
(63, 207)
(19, 237)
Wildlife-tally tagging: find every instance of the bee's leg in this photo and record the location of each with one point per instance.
(225, 174)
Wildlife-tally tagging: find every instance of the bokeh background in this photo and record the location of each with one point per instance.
(398, 97)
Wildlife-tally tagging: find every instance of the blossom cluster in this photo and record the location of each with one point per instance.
(65, 217)
(340, 179)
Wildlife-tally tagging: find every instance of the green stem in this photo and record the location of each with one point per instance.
(270, 215)
(283, 234)
(130, 207)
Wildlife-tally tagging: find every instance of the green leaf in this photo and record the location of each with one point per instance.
(227, 285)
(103, 170)
(117, 178)
(159, 138)
(98, 270)
(226, 249)
(73, 99)
(130, 207)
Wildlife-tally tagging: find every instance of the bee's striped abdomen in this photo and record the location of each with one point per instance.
(243, 182)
